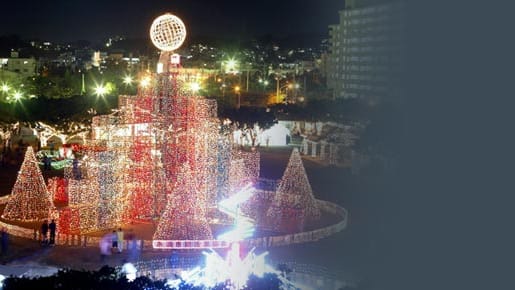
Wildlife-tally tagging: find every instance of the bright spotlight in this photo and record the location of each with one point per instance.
(130, 271)
(5, 88)
(127, 80)
(195, 87)
(100, 90)
(17, 95)
(231, 65)
(145, 82)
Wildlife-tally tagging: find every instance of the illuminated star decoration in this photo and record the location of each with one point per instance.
(233, 269)
(218, 270)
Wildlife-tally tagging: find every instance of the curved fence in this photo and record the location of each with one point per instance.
(262, 242)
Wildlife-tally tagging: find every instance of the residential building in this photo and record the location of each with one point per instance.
(26, 67)
(365, 52)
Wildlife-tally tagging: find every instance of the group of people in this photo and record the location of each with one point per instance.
(110, 243)
(45, 229)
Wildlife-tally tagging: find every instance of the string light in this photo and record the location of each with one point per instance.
(164, 156)
(30, 199)
(185, 215)
(294, 199)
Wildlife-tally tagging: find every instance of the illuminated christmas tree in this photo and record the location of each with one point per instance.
(185, 215)
(30, 199)
(294, 197)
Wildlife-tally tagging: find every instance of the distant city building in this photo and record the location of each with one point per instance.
(365, 50)
(26, 67)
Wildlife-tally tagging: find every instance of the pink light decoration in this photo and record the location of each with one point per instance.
(294, 202)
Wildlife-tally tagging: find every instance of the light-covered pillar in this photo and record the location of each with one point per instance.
(314, 149)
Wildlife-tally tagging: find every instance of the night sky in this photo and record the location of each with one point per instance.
(69, 20)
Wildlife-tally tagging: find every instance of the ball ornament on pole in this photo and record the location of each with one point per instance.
(167, 32)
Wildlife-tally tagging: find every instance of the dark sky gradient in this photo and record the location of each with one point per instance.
(68, 20)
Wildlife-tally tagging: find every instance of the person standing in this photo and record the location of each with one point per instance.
(114, 239)
(44, 232)
(52, 226)
(119, 235)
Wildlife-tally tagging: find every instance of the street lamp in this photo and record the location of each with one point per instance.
(100, 90)
(127, 80)
(5, 88)
(231, 65)
(264, 83)
(17, 95)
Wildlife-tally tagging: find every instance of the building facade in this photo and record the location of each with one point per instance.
(26, 67)
(365, 50)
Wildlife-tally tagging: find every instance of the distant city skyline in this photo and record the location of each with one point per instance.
(67, 20)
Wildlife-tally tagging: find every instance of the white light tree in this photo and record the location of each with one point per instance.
(30, 199)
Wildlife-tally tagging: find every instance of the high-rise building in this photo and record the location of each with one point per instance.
(366, 50)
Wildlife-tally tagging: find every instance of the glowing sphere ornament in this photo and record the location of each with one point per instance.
(167, 32)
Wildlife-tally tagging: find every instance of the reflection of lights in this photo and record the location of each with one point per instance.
(127, 80)
(233, 269)
(130, 271)
(243, 226)
(145, 82)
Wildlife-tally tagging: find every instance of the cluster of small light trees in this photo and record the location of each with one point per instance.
(99, 203)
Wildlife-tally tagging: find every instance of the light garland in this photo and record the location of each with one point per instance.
(30, 199)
